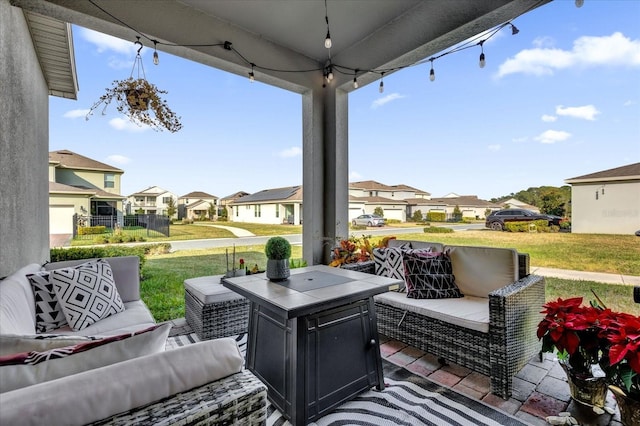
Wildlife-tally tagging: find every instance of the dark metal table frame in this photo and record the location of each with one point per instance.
(313, 339)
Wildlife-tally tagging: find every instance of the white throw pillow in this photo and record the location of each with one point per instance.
(29, 368)
(87, 293)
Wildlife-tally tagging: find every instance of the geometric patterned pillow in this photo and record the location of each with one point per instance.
(49, 315)
(87, 293)
(430, 276)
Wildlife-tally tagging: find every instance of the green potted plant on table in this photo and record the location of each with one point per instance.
(278, 251)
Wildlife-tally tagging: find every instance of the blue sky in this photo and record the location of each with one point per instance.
(560, 99)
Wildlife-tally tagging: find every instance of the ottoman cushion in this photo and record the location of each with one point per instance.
(209, 290)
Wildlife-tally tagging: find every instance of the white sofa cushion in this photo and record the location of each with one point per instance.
(29, 368)
(136, 316)
(481, 270)
(17, 304)
(87, 293)
(13, 343)
(118, 388)
(469, 311)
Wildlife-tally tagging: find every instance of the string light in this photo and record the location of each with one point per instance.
(328, 72)
(156, 59)
(327, 40)
(579, 3)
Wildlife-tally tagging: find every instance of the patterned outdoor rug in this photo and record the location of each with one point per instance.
(407, 399)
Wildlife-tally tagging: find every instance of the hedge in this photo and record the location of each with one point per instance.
(436, 216)
(91, 230)
(76, 253)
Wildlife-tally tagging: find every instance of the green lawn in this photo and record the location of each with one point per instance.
(163, 291)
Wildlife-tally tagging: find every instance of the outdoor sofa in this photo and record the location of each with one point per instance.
(491, 329)
(116, 370)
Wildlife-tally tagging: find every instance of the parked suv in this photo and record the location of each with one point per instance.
(497, 219)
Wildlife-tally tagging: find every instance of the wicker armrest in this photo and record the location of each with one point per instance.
(514, 315)
(237, 399)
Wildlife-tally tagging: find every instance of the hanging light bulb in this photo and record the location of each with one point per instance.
(252, 76)
(482, 61)
(381, 88)
(355, 82)
(432, 73)
(579, 3)
(330, 75)
(156, 59)
(514, 30)
(327, 40)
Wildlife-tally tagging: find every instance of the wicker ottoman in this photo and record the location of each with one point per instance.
(213, 310)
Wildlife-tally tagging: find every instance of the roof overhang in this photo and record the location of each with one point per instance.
(53, 43)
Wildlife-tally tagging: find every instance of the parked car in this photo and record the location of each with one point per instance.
(368, 220)
(498, 218)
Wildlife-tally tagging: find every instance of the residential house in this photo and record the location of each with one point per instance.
(272, 206)
(366, 196)
(606, 202)
(153, 200)
(196, 205)
(514, 203)
(225, 201)
(83, 186)
(470, 206)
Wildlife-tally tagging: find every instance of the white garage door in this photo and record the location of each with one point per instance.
(61, 220)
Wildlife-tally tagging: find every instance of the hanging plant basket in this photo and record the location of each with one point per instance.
(140, 101)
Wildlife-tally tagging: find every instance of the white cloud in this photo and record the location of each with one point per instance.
(495, 147)
(629, 103)
(552, 136)
(118, 159)
(294, 151)
(354, 176)
(76, 113)
(519, 140)
(127, 125)
(548, 118)
(613, 50)
(544, 41)
(587, 112)
(105, 42)
(390, 97)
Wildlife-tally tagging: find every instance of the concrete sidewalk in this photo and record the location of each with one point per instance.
(599, 277)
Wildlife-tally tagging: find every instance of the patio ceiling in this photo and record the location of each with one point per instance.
(289, 35)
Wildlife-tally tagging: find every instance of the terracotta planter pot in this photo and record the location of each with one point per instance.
(590, 391)
(629, 408)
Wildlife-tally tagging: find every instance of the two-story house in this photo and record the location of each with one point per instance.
(83, 186)
(196, 205)
(152, 200)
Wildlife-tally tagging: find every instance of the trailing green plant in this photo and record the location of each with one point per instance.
(277, 248)
(437, 230)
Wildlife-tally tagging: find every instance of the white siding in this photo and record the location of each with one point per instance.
(616, 211)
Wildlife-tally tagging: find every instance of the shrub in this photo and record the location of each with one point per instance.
(75, 253)
(101, 240)
(91, 230)
(393, 221)
(417, 216)
(358, 227)
(186, 221)
(437, 230)
(277, 248)
(436, 216)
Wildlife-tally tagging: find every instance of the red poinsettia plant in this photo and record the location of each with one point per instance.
(584, 336)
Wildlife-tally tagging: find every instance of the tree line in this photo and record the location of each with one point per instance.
(549, 199)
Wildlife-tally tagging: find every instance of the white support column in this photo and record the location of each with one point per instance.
(325, 171)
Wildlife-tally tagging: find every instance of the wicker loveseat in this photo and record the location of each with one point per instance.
(491, 330)
(116, 371)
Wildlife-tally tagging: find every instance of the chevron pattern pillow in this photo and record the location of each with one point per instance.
(430, 276)
(49, 315)
(87, 293)
(389, 261)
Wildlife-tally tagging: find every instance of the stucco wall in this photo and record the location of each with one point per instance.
(24, 147)
(616, 211)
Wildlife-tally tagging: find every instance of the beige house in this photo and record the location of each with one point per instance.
(83, 186)
(196, 205)
(152, 200)
(224, 202)
(514, 203)
(470, 206)
(606, 202)
(270, 206)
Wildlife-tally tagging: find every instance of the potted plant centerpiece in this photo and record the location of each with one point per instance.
(278, 251)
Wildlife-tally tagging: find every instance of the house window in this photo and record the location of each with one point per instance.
(258, 211)
(237, 208)
(166, 200)
(109, 180)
